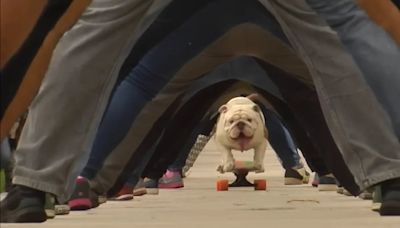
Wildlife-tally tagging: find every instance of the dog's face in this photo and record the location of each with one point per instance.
(242, 119)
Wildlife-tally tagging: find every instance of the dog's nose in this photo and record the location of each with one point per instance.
(240, 125)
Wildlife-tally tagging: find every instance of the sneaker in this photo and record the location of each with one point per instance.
(102, 198)
(50, 201)
(126, 193)
(296, 176)
(376, 198)
(23, 204)
(390, 197)
(340, 189)
(366, 194)
(327, 183)
(315, 181)
(171, 179)
(140, 188)
(151, 186)
(346, 193)
(61, 209)
(80, 199)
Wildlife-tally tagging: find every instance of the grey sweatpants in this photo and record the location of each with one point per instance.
(64, 116)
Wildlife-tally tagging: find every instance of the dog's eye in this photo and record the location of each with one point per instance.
(249, 120)
(231, 121)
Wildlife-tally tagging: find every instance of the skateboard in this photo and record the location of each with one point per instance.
(241, 170)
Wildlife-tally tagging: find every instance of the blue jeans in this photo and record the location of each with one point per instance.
(281, 140)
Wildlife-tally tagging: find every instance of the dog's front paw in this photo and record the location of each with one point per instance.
(220, 168)
(259, 167)
(228, 167)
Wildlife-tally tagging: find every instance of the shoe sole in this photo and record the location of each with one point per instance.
(80, 204)
(390, 208)
(171, 185)
(123, 197)
(340, 190)
(376, 206)
(102, 199)
(28, 215)
(347, 193)
(365, 196)
(50, 213)
(152, 191)
(139, 192)
(61, 209)
(292, 181)
(327, 187)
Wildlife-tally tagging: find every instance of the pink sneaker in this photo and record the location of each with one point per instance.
(80, 199)
(171, 179)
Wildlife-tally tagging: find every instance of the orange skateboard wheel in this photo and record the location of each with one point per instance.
(222, 185)
(260, 185)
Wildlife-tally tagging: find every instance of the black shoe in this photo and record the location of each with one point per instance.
(23, 204)
(390, 197)
(296, 176)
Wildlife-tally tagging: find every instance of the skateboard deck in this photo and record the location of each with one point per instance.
(241, 171)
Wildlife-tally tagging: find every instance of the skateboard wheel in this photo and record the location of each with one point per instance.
(260, 185)
(222, 185)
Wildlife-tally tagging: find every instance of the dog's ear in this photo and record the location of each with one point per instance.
(256, 108)
(223, 109)
(253, 96)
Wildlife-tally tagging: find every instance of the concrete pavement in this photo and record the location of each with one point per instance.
(198, 204)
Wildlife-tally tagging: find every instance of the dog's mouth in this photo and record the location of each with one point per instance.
(243, 141)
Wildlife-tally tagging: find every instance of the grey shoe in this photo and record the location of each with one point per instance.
(151, 186)
(366, 194)
(327, 183)
(140, 188)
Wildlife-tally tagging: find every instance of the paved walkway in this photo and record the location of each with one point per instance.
(200, 205)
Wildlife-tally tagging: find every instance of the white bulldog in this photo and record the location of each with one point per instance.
(241, 126)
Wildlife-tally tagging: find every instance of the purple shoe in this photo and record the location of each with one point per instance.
(171, 179)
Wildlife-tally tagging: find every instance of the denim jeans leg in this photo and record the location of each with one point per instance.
(282, 143)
